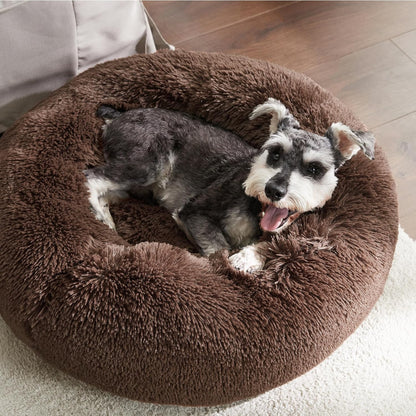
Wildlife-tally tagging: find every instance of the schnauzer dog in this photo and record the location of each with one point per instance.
(220, 191)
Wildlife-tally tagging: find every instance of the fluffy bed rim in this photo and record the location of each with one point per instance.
(137, 313)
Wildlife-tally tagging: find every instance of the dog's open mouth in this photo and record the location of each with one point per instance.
(274, 218)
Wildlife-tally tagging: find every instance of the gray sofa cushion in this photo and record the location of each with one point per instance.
(45, 43)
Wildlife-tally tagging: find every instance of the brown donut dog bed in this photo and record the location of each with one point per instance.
(138, 313)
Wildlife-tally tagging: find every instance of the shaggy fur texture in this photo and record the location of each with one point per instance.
(139, 314)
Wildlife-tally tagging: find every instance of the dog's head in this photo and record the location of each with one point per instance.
(294, 171)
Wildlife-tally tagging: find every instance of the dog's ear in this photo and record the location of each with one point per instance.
(281, 118)
(348, 142)
(108, 113)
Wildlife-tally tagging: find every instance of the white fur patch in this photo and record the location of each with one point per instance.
(102, 191)
(248, 259)
(305, 194)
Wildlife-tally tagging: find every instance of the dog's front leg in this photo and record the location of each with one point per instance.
(249, 259)
(202, 232)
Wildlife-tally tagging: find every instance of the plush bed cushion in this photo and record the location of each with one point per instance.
(138, 313)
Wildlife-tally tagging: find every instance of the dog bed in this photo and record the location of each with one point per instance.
(138, 312)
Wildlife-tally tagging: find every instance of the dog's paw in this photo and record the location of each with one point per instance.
(247, 260)
(103, 214)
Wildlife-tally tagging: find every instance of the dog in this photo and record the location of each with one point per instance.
(222, 192)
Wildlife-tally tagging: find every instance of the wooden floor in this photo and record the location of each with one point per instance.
(363, 52)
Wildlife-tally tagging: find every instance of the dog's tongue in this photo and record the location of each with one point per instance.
(273, 217)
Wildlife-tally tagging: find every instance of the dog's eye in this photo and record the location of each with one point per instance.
(315, 169)
(275, 153)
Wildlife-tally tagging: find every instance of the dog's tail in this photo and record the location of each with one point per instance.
(108, 113)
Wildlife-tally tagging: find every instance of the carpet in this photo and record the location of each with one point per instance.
(372, 373)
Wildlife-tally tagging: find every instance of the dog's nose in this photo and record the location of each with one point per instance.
(275, 191)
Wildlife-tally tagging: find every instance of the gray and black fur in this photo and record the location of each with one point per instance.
(193, 169)
(221, 191)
